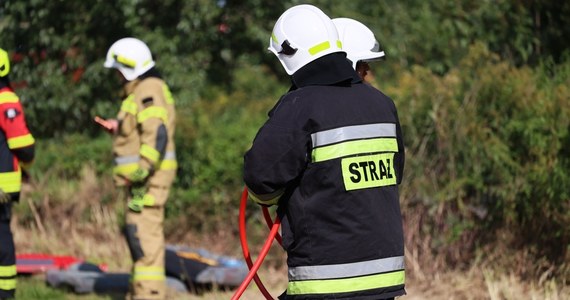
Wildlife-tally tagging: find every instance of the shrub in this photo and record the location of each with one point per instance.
(487, 149)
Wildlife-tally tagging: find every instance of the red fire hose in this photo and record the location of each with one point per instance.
(273, 234)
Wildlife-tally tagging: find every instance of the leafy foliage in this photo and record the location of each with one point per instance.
(481, 87)
(58, 47)
(485, 146)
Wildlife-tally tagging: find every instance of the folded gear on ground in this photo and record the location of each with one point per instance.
(187, 270)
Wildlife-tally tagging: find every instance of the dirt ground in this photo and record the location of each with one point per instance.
(471, 285)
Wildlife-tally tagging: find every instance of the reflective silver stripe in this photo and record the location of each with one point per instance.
(337, 135)
(123, 160)
(170, 155)
(347, 270)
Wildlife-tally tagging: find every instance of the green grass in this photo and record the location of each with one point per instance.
(35, 287)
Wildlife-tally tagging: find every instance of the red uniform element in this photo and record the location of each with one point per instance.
(16, 153)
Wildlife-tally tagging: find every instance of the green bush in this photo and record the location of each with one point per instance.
(487, 149)
(65, 157)
(214, 134)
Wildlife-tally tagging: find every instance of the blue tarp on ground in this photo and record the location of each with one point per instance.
(187, 270)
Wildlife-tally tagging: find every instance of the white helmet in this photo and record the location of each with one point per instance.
(358, 41)
(302, 34)
(130, 56)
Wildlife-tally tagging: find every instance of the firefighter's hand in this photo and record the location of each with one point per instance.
(110, 125)
(25, 176)
(266, 200)
(25, 167)
(138, 192)
(139, 175)
(4, 198)
(136, 204)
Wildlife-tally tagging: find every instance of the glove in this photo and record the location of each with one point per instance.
(139, 175)
(138, 189)
(136, 203)
(4, 198)
(25, 167)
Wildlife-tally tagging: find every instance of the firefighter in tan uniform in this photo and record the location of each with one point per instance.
(145, 161)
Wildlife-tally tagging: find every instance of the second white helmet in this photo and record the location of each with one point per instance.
(302, 34)
(358, 41)
(130, 56)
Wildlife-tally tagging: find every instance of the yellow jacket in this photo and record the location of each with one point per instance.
(145, 137)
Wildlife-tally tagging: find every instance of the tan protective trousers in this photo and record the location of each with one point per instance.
(145, 237)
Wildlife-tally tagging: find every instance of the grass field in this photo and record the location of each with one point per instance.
(480, 281)
(474, 284)
(95, 237)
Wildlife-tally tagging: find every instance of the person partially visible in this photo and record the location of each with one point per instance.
(17, 151)
(145, 161)
(331, 157)
(359, 43)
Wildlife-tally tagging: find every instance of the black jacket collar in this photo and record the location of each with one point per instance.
(4, 82)
(332, 69)
(153, 72)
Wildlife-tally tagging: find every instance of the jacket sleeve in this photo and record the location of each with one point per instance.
(152, 119)
(20, 140)
(277, 156)
(400, 158)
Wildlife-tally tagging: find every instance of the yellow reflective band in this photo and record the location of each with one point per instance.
(4, 63)
(274, 38)
(361, 172)
(148, 273)
(21, 141)
(339, 44)
(354, 147)
(125, 61)
(8, 97)
(148, 200)
(10, 182)
(8, 284)
(129, 105)
(149, 152)
(267, 199)
(167, 94)
(320, 47)
(153, 112)
(8, 271)
(168, 164)
(346, 285)
(125, 169)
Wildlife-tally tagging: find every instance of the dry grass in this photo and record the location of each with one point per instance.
(72, 220)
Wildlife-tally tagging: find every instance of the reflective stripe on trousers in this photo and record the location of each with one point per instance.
(8, 277)
(125, 165)
(148, 273)
(345, 278)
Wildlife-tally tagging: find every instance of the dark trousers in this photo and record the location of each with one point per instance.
(7, 254)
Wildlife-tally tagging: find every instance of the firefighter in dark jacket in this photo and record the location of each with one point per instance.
(16, 155)
(331, 157)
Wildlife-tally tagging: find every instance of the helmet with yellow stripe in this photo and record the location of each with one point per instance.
(130, 56)
(4, 63)
(302, 34)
